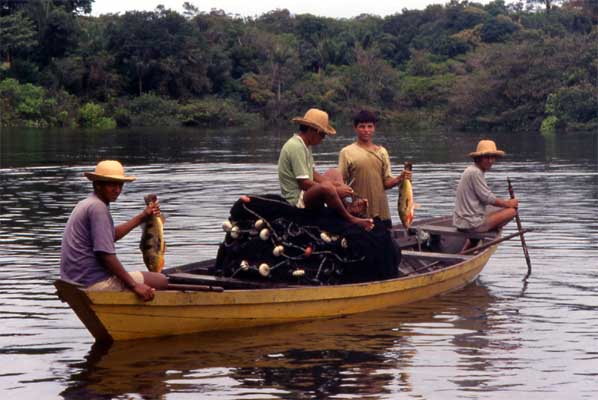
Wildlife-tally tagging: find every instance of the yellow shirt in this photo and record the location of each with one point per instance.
(367, 169)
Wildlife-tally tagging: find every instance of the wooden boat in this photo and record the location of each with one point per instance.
(430, 265)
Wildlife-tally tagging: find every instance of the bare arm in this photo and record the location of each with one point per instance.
(342, 189)
(305, 184)
(511, 203)
(121, 230)
(112, 264)
(319, 178)
(392, 182)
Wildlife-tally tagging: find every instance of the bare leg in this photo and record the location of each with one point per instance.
(325, 193)
(155, 280)
(334, 175)
(497, 219)
(359, 206)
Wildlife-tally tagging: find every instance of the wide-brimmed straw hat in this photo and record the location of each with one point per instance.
(109, 170)
(316, 119)
(486, 148)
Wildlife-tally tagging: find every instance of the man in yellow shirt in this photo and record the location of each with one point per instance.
(366, 166)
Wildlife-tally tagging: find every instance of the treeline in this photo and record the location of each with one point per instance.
(462, 65)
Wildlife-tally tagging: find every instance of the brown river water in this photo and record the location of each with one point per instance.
(496, 339)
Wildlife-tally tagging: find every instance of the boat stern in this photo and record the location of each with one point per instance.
(74, 295)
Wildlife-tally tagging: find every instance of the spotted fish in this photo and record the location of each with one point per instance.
(152, 243)
(406, 204)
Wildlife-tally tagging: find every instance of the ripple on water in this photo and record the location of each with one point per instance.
(498, 338)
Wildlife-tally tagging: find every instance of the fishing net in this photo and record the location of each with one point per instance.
(267, 239)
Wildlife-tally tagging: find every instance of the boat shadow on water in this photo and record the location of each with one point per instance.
(325, 358)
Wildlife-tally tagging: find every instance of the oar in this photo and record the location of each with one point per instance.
(495, 241)
(523, 245)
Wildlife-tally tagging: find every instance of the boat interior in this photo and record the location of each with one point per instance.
(427, 246)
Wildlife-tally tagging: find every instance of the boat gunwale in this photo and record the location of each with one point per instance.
(291, 294)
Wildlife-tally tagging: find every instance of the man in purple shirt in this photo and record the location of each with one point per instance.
(88, 255)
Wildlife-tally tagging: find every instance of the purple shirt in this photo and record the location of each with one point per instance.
(89, 229)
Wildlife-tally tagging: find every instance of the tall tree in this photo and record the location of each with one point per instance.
(17, 34)
(548, 4)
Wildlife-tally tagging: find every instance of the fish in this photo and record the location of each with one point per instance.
(152, 243)
(406, 205)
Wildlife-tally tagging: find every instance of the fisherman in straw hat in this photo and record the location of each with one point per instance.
(301, 185)
(88, 256)
(476, 207)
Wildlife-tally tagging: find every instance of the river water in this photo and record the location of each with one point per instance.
(496, 339)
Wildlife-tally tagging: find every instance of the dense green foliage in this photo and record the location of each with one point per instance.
(521, 66)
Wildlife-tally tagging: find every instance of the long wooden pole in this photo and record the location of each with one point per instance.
(495, 241)
(523, 245)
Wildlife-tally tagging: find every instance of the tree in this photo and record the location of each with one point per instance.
(548, 4)
(24, 104)
(509, 84)
(159, 51)
(587, 7)
(497, 29)
(17, 35)
(91, 115)
(574, 108)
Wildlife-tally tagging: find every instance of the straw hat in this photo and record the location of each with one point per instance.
(486, 148)
(109, 170)
(316, 119)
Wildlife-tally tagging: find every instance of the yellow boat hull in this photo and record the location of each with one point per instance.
(122, 316)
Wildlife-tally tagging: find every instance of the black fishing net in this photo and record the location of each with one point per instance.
(267, 239)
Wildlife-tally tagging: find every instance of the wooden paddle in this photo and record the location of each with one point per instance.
(523, 245)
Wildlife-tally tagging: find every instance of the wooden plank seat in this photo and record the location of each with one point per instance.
(201, 267)
(226, 283)
(452, 231)
(435, 256)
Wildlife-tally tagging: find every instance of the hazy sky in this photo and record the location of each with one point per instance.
(328, 8)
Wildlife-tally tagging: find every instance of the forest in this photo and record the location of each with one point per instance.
(524, 66)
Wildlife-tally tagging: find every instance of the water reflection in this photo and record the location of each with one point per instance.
(27, 147)
(362, 355)
(499, 339)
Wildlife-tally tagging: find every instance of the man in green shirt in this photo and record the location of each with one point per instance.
(301, 185)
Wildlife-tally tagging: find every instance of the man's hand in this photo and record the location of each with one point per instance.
(392, 182)
(152, 208)
(145, 292)
(512, 203)
(406, 174)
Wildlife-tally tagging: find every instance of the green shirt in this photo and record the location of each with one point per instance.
(295, 162)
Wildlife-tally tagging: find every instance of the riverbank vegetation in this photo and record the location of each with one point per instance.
(518, 66)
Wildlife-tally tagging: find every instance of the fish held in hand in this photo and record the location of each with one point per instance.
(152, 243)
(406, 205)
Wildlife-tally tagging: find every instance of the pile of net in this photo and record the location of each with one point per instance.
(269, 240)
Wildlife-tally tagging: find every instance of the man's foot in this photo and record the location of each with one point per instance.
(365, 223)
(469, 243)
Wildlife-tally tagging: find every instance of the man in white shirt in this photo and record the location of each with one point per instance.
(476, 207)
